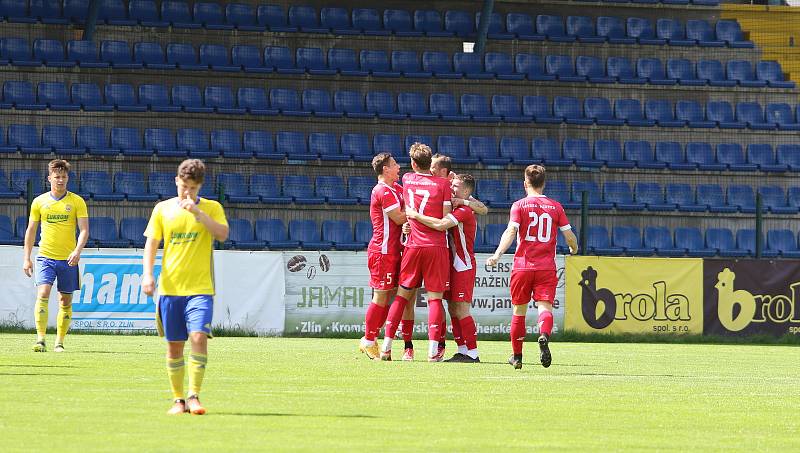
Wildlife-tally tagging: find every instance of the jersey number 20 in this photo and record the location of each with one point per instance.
(543, 224)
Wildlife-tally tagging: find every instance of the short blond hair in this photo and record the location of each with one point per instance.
(421, 154)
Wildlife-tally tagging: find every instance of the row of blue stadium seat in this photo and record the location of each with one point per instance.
(414, 106)
(378, 63)
(301, 189)
(370, 22)
(94, 140)
(666, 2)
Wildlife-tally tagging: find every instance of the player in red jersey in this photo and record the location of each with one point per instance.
(462, 226)
(384, 249)
(535, 221)
(425, 257)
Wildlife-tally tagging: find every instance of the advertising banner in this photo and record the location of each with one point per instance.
(327, 294)
(634, 295)
(747, 297)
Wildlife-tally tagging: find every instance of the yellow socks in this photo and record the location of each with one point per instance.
(197, 369)
(175, 371)
(62, 322)
(40, 317)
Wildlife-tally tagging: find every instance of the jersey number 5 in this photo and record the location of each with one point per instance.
(425, 194)
(544, 223)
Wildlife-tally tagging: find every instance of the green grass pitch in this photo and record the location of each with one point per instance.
(110, 393)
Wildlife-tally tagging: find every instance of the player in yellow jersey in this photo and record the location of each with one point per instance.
(188, 226)
(60, 212)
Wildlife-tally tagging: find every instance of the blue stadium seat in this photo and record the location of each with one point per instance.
(384, 105)
(235, 188)
(113, 12)
(243, 17)
(485, 148)
(98, 184)
(228, 143)
(540, 109)
(470, 65)
(128, 141)
(307, 232)
(630, 238)
(682, 195)
(133, 186)
(563, 68)
(305, 19)
(792, 196)
(360, 187)
(216, 57)
(592, 69)
(118, 55)
(609, 152)
(674, 32)
(19, 182)
(211, 15)
(683, 71)
(730, 32)
(368, 22)
(424, 139)
(145, 12)
(190, 99)
(281, 60)
(15, 11)
(770, 71)
(459, 23)
(712, 196)
(340, 233)
(746, 240)
(508, 108)
(123, 98)
(599, 110)
(221, 99)
(783, 242)
(59, 140)
(613, 29)
(444, 105)
(162, 142)
(714, 73)
(502, 66)
(334, 190)
(599, 243)
(620, 194)
(262, 146)
(762, 154)
(241, 236)
(294, 146)
(548, 151)
(17, 51)
(660, 239)
(326, 145)
(177, 13)
(273, 232)
(430, 22)
(162, 184)
(742, 72)
(522, 26)
(722, 240)
(743, 197)
(275, 18)
(477, 108)
(337, 20)
(642, 29)
(641, 153)
(559, 191)
(51, 53)
(345, 62)
(266, 187)
(195, 143)
(702, 155)
(701, 31)
(287, 101)
(691, 239)
(95, 140)
(152, 56)
(20, 95)
(693, 114)
(652, 69)
(594, 192)
(732, 155)
(532, 66)
(89, 97)
(390, 143)
(514, 148)
(789, 155)
(492, 234)
(26, 139)
(630, 110)
(254, 100)
(55, 96)
(722, 113)
(84, 54)
(312, 60)
(132, 229)
(376, 63)
(661, 111)
(363, 230)
(497, 26)
(652, 195)
(249, 58)
(357, 146)
(398, 21)
(415, 106)
(579, 151)
(493, 192)
(351, 104)
(46, 11)
(622, 69)
(569, 110)
(582, 27)
(552, 27)
(752, 114)
(455, 147)
(103, 233)
(781, 114)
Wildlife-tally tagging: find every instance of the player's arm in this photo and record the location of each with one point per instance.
(432, 222)
(473, 203)
(83, 237)
(397, 216)
(572, 241)
(217, 229)
(505, 242)
(148, 263)
(30, 236)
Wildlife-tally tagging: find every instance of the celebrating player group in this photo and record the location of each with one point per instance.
(436, 210)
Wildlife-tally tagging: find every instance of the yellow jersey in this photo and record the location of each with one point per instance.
(187, 267)
(59, 221)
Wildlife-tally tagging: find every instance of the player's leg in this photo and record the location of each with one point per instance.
(545, 328)
(199, 311)
(468, 332)
(455, 325)
(45, 275)
(407, 328)
(375, 317)
(176, 369)
(68, 282)
(436, 325)
(521, 288)
(171, 315)
(393, 319)
(437, 276)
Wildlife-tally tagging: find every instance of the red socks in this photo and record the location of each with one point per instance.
(458, 333)
(436, 325)
(407, 328)
(393, 318)
(375, 313)
(469, 331)
(545, 323)
(517, 333)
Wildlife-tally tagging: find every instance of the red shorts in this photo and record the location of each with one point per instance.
(539, 286)
(461, 285)
(383, 270)
(431, 264)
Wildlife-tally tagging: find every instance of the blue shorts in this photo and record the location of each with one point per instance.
(179, 315)
(49, 270)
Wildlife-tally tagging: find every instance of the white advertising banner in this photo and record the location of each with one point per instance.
(250, 288)
(327, 294)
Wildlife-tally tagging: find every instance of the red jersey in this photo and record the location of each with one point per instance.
(538, 220)
(385, 233)
(428, 195)
(462, 238)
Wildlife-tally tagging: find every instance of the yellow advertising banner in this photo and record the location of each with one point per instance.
(634, 295)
